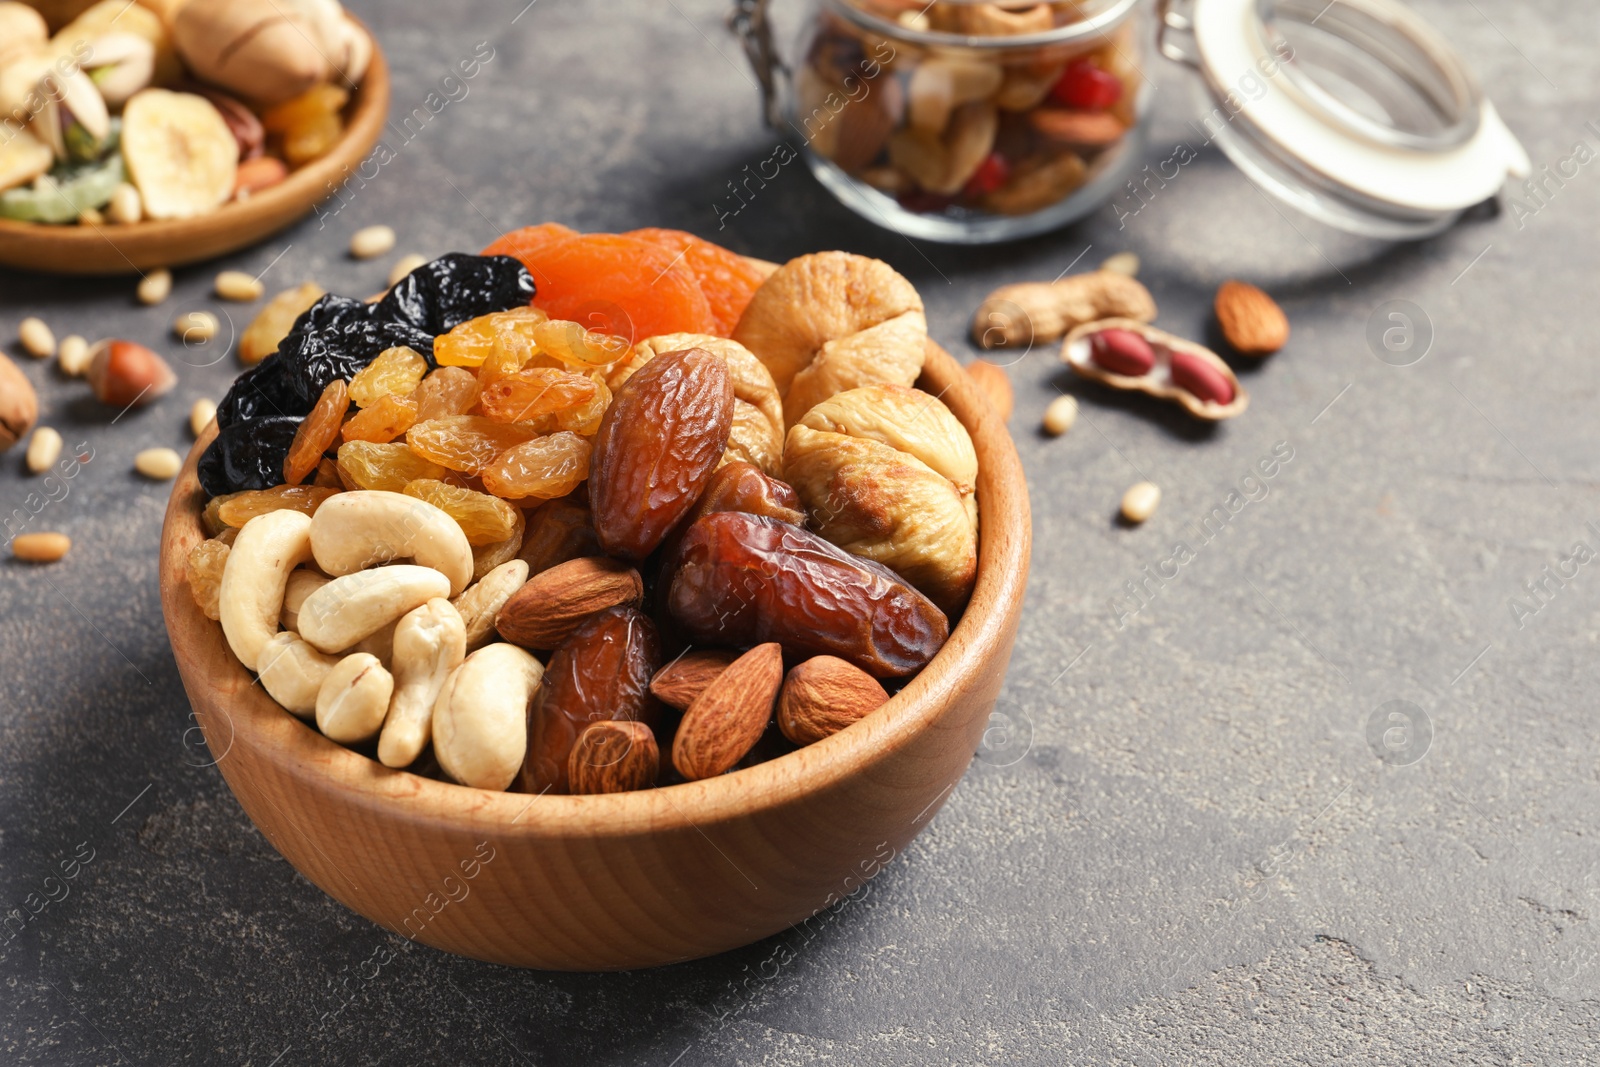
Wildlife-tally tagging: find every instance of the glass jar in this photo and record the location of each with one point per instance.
(972, 122)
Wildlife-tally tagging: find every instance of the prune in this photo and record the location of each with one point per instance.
(265, 389)
(602, 671)
(745, 579)
(438, 296)
(249, 454)
(337, 338)
(658, 444)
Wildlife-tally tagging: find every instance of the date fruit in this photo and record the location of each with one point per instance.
(602, 671)
(744, 579)
(741, 486)
(658, 445)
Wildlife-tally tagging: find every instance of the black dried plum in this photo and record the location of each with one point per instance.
(265, 389)
(440, 295)
(247, 455)
(338, 337)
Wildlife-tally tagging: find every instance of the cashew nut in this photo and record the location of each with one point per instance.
(292, 673)
(253, 582)
(482, 602)
(356, 530)
(429, 643)
(302, 583)
(356, 605)
(480, 733)
(354, 698)
(379, 643)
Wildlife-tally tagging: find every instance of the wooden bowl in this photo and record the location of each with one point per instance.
(629, 879)
(127, 249)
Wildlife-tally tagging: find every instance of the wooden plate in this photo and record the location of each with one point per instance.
(128, 249)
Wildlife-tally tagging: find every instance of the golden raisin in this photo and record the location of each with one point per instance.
(471, 342)
(483, 518)
(317, 433)
(540, 469)
(206, 561)
(372, 466)
(328, 474)
(211, 517)
(533, 392)
(510, 353)
(396, 371)
(324, 99)
(447, 391)
(240, 508)
(571, 343)
(464, 442)
(385, 420)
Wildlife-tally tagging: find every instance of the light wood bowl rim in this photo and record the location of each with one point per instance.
(319, 765)
(37, 245)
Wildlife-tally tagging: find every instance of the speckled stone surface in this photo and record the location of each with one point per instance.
(1178, 845)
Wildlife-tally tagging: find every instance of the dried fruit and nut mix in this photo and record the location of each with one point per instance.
(949, 128)
(127, 114)
(590, 513)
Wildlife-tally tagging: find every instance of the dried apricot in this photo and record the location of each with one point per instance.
(385, 420)
(240, 508)
(206, 562)
(485, 519)
(471, 342)
(540, 469)
(570, 343)
(396, 371)
(465, 442)
(526, 244)
(727, 279)
(537, 391)
(324, 99)
(317, 433)
(621, 286)
(447, 391)
(371, 466)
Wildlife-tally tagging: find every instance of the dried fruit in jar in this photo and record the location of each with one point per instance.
(535, 392)
(728, 280)
(621, 286)
(602, 671)
(545, 467)
(389, 467)
(383, 421)
(206, 562)
(247, 455)
(469, 343)
(485, 519)
(443, 293)
(744, 579)
(447, 391)
(467, 443)
(395, 372)
(658, 444)
(240, 508)
(318, 432)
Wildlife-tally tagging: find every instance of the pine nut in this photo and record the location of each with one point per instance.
(1060, 415)
(237, 285)
(372, 241)
(155, 286)
(1140, 501)
(44, 448)
(161, 464)
(73, 355)
(1122, 263)
(40, 547)
(36, 338)
(200, 415)
(195, 327)
(405, 265)
(126, 205)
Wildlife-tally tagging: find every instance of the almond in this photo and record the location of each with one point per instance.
(995, 385)
(19, 404)
(122, 373)
(1251, 320)
(823, 695)
(679, 682)
(729, 717)
(553, 603)
(613, 757)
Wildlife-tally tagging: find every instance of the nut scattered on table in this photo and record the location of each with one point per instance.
(155, 286)
(158, 464)
(122, 373)
(1122, 263)
(1140, 501)
(372, 241)
(1061, 415)
(44, 448)
(238, 286)
(200, 415)
(1029, 312)
(19, 404)
(36, 338)
(73, 355)
(42, 547)
(195, 327)
(1251, 321)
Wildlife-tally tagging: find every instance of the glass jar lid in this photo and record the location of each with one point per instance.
(1355, 112)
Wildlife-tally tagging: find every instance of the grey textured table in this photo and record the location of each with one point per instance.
(1178, 845)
